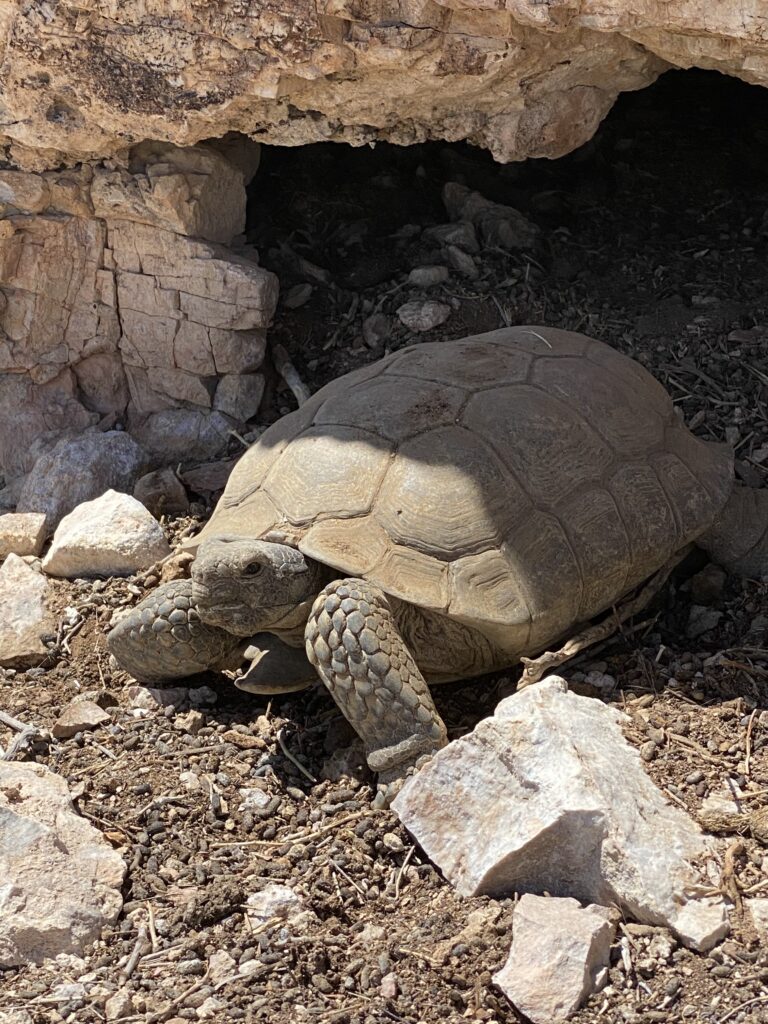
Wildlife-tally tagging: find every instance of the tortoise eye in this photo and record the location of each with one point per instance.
(253, 569)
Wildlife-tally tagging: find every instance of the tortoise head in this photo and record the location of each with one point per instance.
(247, 586)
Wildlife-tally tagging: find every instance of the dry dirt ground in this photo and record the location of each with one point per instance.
(655, 241)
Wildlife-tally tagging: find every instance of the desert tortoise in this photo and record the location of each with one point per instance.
(439, 514)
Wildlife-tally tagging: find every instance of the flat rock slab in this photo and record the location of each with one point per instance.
(547, 795)
(79, 716)
(61, 880)
(22, 533)
(113, 535)
(558, 950)
(25, 616)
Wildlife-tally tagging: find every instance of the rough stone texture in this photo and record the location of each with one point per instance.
(161, 492)
(547, 795)
(79, 716)
(25, 616)
(118, 300)
(558, 949)
(113, 535)
(79, 469)
(758, 911)
(22, 533)
(60, 878)
(522, 79)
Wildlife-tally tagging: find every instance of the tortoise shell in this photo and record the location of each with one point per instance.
(520, 481)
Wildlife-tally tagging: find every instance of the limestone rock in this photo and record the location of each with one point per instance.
(25, 615)
(428, 276)
(109, 309)
(114, 535)
(78, 470)
(547, 795)
(61, 879)
(558, 949)
(79, 716)
(423, 316)
(279, 901)
(178, 434)
(239, 395)
(497, 225)
(22, 533)
(161, 492)
(758, 911)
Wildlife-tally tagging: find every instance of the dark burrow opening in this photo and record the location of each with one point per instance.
(652, 237)
(654, 231)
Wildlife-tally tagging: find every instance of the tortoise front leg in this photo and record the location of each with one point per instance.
(164, 638)
(360, 655)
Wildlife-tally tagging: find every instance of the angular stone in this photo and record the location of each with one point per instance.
(547, 795)
(113, 535)
(25, 615)
(497, 225)
(61, 879)
(209, 477)
(80, 469)
(79, 716)
(558, 949)
(758, 911)
(22, 533)
(178, 435)
(162, 493)
(239, 395)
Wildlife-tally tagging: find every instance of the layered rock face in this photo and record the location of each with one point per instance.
(84, 78)
(118, 299)
(119, 302)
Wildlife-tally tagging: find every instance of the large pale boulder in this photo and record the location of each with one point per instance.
(59, 878)
(113, 535)
(548, 796)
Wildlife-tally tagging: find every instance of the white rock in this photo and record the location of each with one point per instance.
(548, 796)
(276, 900)
(22, 533)
(558, 950)
(221, 965)
(118, 1005)
(25, 615)
(428, 277)
(758, 909)
(61, 880)
(113, 535)
(150, 698)
(423, 316)
(253, 799)
(80, 469)
(79, 716)
(377, 328)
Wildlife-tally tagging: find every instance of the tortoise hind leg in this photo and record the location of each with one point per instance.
(163, 638)
(739, 539)
(354, 643)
